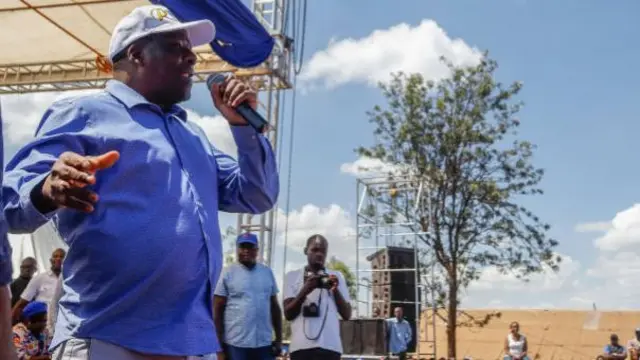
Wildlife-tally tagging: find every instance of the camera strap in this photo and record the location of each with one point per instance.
(324, 320)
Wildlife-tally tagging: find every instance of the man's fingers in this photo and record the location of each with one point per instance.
(66, 195)
(104, 161)
(75, 160)
(74, 176)
(232, 90)
(238, 99)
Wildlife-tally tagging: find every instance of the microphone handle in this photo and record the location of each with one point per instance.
(252, 117)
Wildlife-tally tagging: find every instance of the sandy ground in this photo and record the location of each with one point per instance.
(552, 334)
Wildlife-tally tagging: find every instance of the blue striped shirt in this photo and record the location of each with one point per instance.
(141, 269)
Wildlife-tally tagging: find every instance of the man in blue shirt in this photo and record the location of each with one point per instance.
(614, 351)
(399, 334)
(246, 309)
(7, 350)
(134, 189)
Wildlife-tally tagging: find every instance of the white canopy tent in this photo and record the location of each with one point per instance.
(39, 245)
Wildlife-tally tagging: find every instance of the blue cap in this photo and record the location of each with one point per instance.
(247, 238)
(34, 308)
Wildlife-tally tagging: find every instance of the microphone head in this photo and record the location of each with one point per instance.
(216, 78)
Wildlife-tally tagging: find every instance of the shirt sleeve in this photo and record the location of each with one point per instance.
(221, 287)
(31, 291)
(251, 184)
(64, 127)
(342, 286)
(274, 290)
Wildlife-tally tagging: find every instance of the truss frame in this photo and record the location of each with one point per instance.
(85, 74)
(271, 14)
(369, 228)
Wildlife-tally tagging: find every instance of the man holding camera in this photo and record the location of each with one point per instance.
(313, 298)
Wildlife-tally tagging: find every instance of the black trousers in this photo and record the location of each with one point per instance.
(315, 354)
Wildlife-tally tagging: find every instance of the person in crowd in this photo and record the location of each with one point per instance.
(313, 299)
(28, 267)
(52, 310)
(42, 286)
(135, 188)
(613, 350)
(633, 346)
(7, 350)
(30, 336)
(399, 334)
(246, 308)
(515, 345)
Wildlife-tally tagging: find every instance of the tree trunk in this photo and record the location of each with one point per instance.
(452, 318)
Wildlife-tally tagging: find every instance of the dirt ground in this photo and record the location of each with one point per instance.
(551, 334)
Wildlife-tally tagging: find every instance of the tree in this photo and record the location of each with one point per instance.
(460, 136)
(349, 277)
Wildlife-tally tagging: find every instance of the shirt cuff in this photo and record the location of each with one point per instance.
(31, 213)
(246, 138)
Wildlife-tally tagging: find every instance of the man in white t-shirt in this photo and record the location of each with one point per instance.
(313, 299)
(42, 286)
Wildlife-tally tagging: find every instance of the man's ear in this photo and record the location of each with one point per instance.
(135, 54)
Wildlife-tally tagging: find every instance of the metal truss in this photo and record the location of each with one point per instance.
(377, 231)
(85, 74)
(271, 15)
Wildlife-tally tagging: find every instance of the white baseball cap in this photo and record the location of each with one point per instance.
(152, 19)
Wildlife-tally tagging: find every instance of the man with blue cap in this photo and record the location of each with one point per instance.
(30, 336)
(134, 187)
(246, 309)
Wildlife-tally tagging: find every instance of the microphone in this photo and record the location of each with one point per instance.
(244, 109)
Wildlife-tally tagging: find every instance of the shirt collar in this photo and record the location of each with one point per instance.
(131, 98)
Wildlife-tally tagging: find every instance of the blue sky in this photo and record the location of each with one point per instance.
(577, 62)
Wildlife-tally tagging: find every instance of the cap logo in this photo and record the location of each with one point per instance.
(159, 13)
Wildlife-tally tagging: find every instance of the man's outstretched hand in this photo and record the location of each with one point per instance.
(66, 185)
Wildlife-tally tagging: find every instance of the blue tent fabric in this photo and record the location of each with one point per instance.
(240, 38)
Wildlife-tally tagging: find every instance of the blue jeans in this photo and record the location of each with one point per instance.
(238, 353)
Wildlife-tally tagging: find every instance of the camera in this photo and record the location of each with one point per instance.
(312, 310)
(324, 280)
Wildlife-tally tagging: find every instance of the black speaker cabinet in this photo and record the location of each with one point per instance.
(391, 289)
(363, 337)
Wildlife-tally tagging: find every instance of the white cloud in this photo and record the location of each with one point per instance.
(217, 130)
(22, 113)
(370, 167)
(622, 231)
(334, 222)
(593, 226)
(399, 48)
(492, 279)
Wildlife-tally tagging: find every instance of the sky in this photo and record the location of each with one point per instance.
(580, 82)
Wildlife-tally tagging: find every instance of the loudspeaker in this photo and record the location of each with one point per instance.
(363, 337)
(391, 289)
